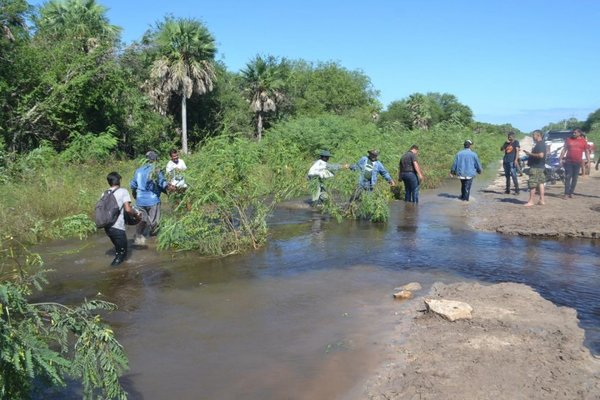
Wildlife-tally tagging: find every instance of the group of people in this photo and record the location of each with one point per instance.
(369, 166)
(147, 184)
(572, 158)
(466, 166)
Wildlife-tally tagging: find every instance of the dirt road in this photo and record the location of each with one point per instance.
(504, 213)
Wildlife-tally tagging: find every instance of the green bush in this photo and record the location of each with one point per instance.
(43, 344)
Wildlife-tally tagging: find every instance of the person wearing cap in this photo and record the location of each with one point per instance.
(320, 170)
(510, 162)
(410, 173)
(370, 168)
(465, 166)
(147, 184)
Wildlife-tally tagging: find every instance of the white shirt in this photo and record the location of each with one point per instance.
(122, 196)
(319, 168)
(172, 171)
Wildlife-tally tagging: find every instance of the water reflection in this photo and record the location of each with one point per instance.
(307, 316)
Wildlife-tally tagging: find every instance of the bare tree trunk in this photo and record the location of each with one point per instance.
(259, 126)
(184, 142)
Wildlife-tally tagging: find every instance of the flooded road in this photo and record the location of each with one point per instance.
(308, 316)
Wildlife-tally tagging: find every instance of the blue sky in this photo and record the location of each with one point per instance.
(525, 62)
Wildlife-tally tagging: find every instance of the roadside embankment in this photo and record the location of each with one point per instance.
(516, 345)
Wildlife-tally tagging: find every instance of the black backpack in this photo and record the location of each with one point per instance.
(107, 210)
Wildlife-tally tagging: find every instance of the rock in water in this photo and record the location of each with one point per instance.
(403, 294)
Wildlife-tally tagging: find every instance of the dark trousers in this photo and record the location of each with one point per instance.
(510, 172)
(411, 187)
(118, 239)
(465, 188)
(571, 175)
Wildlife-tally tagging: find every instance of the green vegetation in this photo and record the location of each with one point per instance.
(43, 344)
(76, 104)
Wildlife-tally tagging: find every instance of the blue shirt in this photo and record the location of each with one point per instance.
(147, 189)
(378, 169)
(466, 164)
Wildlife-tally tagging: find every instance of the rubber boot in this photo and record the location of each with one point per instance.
(119, 258)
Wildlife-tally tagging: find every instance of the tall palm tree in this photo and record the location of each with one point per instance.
(264, 83)
(83, 21)
(185, 65)
(12, 16)
(420, 111)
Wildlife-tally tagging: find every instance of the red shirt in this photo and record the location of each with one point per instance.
(575, 149)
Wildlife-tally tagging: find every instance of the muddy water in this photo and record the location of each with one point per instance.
(308, 316)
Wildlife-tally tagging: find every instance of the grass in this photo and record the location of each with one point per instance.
(234, 182)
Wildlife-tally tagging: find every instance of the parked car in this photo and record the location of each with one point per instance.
(555, 141)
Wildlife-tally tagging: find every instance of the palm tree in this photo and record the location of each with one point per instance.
(12, 16)
(185, 65)
(83, 21)
(420, 112)
(264, 81)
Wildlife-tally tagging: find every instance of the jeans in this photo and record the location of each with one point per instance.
(118, 239)
(411, 187)
(571, 175)
(465, 188)
(510, 171)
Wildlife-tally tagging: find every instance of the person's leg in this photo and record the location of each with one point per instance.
(407, 187)
(463, 195)
(416, 190)
(119, 240)
(571, 171)
(468, 188)
(541, 189)
(513, 171)
(531, 195)
(154, 219)
(316, 194)
(507, 175)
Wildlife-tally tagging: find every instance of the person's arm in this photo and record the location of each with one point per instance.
(454, 166)
(355, 166)
(162, 182)
(418, 170)
(386, 175)
(517, 154)
(133, 186)
(478, 167)
(504, 146)
(400, 170)
(563, 152)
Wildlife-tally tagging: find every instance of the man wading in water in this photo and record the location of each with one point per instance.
(370, 168)
(411, 175)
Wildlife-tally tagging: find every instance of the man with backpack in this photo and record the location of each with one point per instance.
(110, 211)
(147, 184)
